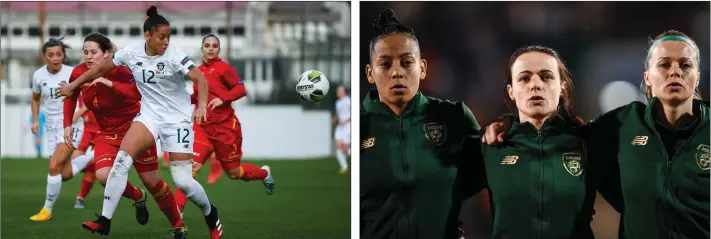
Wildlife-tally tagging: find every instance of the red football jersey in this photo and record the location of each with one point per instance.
(114, 108)
(90, 124)
(225, 84)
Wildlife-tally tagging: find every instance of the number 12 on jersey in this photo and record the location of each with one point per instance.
(184, 139)
(151, 74)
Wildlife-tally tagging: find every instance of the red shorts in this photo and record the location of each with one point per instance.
(225, 139)
(87, 139)
(107, 146)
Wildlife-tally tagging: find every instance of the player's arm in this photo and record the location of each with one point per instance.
(70, 104)
(235, 84)
(91, 74)
(36, 94)
(199, 79)
(182, 63)
(471, 159)
(125, 84)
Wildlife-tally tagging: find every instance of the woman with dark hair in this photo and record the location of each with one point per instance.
(411, 144)
(222, 132)
(165, 113)
(44, 82)
(538, 180)
(114, 100)
(655, 159)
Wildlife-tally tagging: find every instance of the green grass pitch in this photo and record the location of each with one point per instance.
(311, 200)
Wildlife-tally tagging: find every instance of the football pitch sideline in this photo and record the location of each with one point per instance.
(311, 200)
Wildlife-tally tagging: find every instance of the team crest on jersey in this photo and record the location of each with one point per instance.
(435, 132)
(703, 157)
(572, 162)
(160, 66)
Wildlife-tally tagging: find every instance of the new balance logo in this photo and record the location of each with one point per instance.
(511, 159)
(640, 140)
(139, 63)
(368, 143)
(107, 198)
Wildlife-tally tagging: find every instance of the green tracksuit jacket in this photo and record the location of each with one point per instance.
(662, 175)
(409, 182)
(538, 182)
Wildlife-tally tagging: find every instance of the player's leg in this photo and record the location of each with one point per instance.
(38, 145)
(138, 139)
(215, 169)
(105, 161)
(227, 140)
(177, 139)
(147, 168)
(87, 183)
(79, 159)
(60, 155)
(342, 139)
(201, 150)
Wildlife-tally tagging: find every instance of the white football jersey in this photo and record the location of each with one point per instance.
(160, 80)
(343, 108)
(45, 83)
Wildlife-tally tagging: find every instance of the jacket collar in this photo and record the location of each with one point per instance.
(372, 105)
(700, 108)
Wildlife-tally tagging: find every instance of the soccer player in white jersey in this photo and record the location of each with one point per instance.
(44, 82)
(342, 136)
(160, 69)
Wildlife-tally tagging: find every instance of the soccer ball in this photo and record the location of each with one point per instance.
(312, 86)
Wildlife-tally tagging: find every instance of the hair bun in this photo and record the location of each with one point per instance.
(385, 20)
(152, 11)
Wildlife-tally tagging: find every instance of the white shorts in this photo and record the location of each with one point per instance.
(343, 133)
(55, 134)
(174, 137)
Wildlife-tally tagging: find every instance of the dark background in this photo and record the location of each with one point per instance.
(468, 44)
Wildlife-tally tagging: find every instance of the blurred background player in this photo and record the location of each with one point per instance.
(165, 113)
(342, 134)
(45, 80)
(115, 103)
(222, 132)
(39, 137)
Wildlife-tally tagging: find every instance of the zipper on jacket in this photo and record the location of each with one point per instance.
(405, 169)
(667, 171)
(542, 178)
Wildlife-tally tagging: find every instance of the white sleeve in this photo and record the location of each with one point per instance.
(180, 61)
(120, 57)
(36, 88)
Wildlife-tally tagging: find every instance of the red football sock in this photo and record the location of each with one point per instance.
(251, 172)
(132, 192)
(180, 199)
(86, 184)
(166, 202)
(215, 170)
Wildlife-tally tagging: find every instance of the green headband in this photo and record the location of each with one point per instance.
(670, 38)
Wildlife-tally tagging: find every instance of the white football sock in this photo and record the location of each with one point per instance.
(54, 186)
(79, 163)
(182, 172)
(341, 159)
(116, 183)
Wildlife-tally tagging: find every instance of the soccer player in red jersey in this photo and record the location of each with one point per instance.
(115, 103)
(222, 133)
